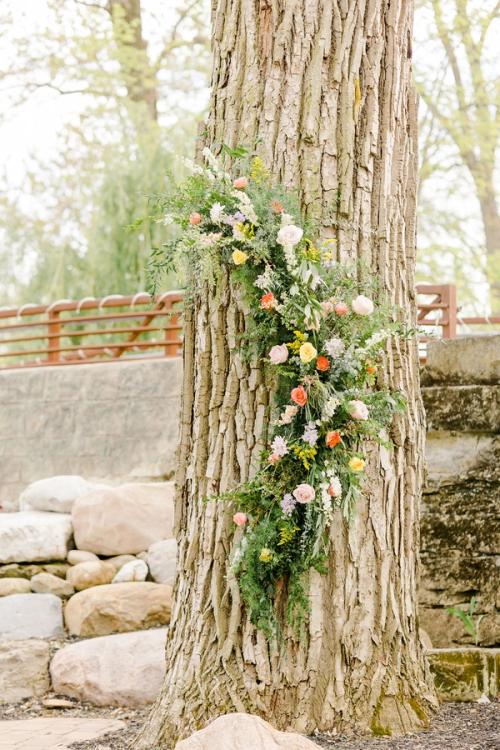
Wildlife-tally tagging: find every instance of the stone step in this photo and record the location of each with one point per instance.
(465, 674)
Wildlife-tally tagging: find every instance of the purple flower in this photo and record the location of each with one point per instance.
(238, 216)
(279, 446)
(310, 434)
(288, 504)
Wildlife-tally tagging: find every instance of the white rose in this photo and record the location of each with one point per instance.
(289, 235)
(362, 305)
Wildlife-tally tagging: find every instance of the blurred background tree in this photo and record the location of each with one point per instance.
(459, 83)
(124, 83)
(136, 72)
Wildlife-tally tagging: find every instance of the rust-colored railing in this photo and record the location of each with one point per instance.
(91, 330)
(117, 327)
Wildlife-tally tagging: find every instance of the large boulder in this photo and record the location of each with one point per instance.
(162, 561)
(125, 519)
(113, 670)
(10, 586)
(118, 608)
(24, 670)
(46, 583)
(34, 536)
(25, 616)
(87, 574)
(55, 494)
(243, 731)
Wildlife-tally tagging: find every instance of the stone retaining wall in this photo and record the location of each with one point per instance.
(115, 421)
(460, 541)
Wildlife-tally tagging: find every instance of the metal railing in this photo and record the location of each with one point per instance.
(117, 327)
(112, 328)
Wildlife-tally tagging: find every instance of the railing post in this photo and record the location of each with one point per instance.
(449, 296)
(171, 342)
(54, 328)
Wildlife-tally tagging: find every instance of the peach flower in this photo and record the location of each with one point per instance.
(240, 183)
(278, 354)
(341, 308)
(362, 305)
(357, 409)
(194, 218)
(333, 438)
(299, 395)
(322, 363)
(240, 519)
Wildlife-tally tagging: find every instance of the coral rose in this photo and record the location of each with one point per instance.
(240, 519)
(307, 352)
(240, 183)
(322, 363)
(362, 305)
(304, 493)
(194, 218)
(333, 438)
(341, 308)
(357, 409)
(268, 301)
(278, 354)
(299, 395)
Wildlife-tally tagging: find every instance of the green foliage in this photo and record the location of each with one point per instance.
(323, 370)
(470, 622)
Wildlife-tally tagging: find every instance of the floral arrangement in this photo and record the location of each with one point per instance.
(319, 332)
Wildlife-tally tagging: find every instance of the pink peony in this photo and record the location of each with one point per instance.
(240, 183)
(357, 409)
(240, 519)
(341, 308)
(362, 305)
(304, 493)
(278, 354)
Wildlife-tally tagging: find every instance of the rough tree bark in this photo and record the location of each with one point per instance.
(325, 85)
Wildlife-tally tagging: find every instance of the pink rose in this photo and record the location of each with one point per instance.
(240, 183)
(240, 519)
(326, 308)
(341, 308)
(362, 305)
(278, 354)
(304, 493)
(194, 218)
(357, 409)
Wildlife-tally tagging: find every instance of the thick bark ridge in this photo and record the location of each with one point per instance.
(325, 86)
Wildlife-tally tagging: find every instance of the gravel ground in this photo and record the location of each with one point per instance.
(457, 726)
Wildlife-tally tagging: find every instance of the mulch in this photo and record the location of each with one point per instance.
(457, 726)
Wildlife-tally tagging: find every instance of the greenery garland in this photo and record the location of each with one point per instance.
(319, 333)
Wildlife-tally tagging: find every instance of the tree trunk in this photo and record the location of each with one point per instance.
(138, 77)
(325, 85)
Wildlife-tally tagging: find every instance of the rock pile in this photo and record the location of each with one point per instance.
(89, 561)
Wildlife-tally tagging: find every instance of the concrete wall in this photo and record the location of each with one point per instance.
(460, 541)
(111, 421)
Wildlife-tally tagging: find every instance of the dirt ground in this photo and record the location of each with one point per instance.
(457, 726)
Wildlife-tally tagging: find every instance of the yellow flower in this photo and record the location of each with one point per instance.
(266, 555)
(356, 464)
(294, 346)
(239, 257)
(307, 352)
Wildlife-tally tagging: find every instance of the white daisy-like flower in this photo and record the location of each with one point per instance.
(334, 347)
(217, 213)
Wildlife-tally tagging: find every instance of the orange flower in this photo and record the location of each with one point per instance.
(371, 369)
(322, 363)
(277, 207)
(299, 395)
(268, 301)
(333, 439)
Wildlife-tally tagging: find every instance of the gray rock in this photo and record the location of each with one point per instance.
(25, 616)
(114, 670)
(24, 670)
(125, 519)
(10, 586)
(56, 494)
(162, 560)
(76, 556)
(33, 536)
(458, 360)
(46, 583)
